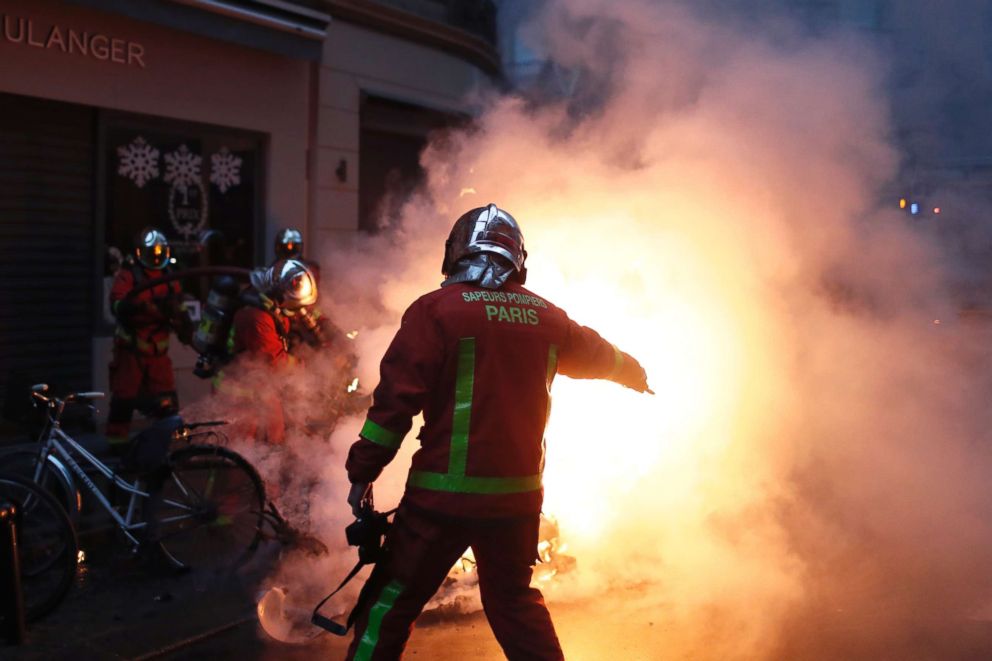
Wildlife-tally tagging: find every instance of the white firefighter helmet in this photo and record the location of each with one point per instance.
(489, 230)
(152, 249)
(289, 244)
(288, 283)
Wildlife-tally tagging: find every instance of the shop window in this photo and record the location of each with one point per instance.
(200, 185)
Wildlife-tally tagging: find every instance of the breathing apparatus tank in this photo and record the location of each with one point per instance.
(210, 338)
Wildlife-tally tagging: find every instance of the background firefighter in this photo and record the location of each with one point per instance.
(260, 342)
(289, 245)
(310, 327)
(310, 330)
(141, 374)
(477, 357)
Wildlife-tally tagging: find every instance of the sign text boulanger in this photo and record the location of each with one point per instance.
(25, 31)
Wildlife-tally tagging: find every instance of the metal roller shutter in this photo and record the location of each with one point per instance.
(47, 232)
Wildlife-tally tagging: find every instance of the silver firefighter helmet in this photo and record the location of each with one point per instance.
(289, 243)
(152, 249)
(477, 234)
(288, 283)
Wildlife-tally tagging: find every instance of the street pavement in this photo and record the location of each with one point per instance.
(117, 611)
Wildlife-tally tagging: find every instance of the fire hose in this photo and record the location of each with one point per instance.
(196, 272)
(186, 336)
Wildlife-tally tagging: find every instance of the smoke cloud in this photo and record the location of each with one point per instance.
(811, 480)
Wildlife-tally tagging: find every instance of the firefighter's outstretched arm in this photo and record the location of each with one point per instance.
(586, 355)
(630, 373)
(406, 376)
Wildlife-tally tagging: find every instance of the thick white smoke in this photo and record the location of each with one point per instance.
(811, 480)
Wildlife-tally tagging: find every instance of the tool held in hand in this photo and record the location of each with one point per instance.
(367, 532)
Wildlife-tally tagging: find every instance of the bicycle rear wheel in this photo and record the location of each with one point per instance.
(47, 547)
(211, 511)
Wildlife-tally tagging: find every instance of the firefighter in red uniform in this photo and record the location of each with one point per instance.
(141, 373)
(260, 331)
(310, 327)
(477, 357)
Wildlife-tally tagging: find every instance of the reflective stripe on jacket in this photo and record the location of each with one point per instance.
(479, 365)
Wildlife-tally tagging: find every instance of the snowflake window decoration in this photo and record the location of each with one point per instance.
(225, 169)
(182, 168)
(138, 161)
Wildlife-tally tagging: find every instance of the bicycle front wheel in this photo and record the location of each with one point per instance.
(211, 511)
(49, 477)
(46, 541)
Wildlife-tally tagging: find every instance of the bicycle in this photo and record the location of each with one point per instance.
(209, 508)
(47, 547)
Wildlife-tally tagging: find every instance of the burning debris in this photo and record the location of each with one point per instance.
(283, 620)
(291, 538)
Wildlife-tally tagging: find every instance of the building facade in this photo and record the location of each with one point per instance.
(232, 116)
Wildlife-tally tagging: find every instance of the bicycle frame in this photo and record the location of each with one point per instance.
(57, 442)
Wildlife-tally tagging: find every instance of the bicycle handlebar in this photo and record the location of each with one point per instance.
(39, 388)
(90, 394)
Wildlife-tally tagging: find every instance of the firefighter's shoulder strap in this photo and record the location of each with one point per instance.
(141, 277)
(255, 299)
(327, 623)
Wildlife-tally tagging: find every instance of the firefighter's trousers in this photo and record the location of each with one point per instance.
(138, 381)
(422, 549)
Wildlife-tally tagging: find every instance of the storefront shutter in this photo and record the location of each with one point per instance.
(47, 237)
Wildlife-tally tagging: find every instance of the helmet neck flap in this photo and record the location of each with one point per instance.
(487, 270)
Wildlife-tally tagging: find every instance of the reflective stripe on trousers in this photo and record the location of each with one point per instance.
(370, 638)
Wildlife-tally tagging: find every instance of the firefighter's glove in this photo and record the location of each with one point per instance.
(632, 375)
(179, 306)
(360, 498)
